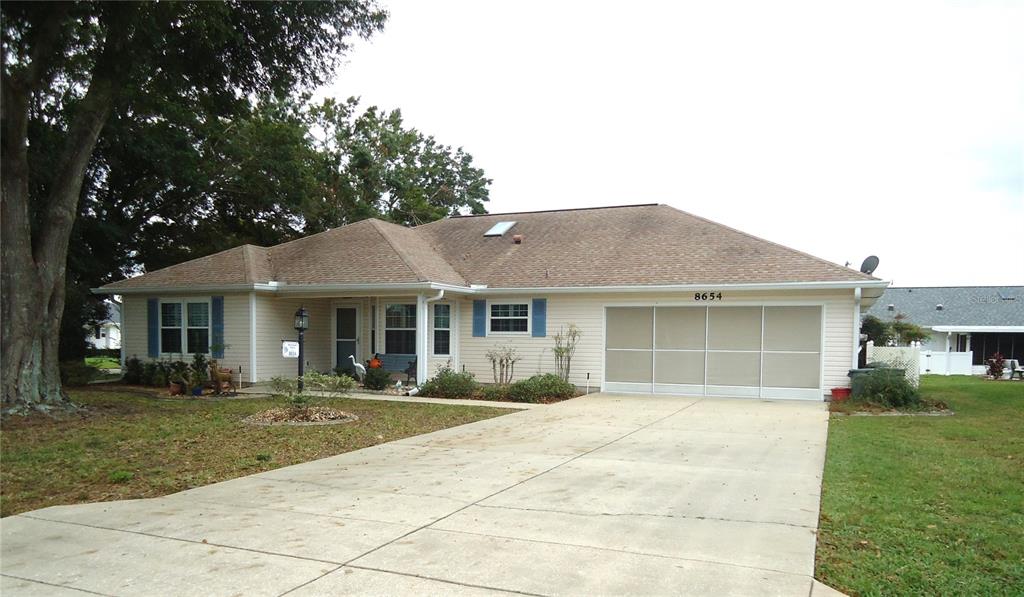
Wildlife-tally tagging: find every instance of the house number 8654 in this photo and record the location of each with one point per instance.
(707, 296)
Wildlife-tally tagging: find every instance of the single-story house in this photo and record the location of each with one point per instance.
(969, 324)
(667, 302)
(106, 333)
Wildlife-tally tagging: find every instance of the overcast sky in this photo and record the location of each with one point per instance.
(843, 130)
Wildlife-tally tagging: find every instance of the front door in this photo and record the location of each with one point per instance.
(346, 338)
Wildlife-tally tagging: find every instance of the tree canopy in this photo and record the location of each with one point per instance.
(68, 68)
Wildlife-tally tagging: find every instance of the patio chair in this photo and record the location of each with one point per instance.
(1015, 369)
(410, 371)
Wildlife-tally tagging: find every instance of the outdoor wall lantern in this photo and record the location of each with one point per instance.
(301, 325)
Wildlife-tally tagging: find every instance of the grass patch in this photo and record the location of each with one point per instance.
(133, 445)
(928, 505)
(103, 362)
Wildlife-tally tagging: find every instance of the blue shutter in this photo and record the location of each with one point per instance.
(217, 319)
(153, 326)
(479, 319)
(539, 313)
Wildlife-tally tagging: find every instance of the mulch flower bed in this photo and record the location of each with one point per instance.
(313, 415)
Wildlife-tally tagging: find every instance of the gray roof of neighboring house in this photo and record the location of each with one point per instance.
(961, 305)
(612, 246)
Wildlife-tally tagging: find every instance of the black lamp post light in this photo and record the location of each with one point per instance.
(301, 325)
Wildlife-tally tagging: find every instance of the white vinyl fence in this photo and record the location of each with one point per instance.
(907, 358)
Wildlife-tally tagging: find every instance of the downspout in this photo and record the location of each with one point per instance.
(856, 327)
(422, 345)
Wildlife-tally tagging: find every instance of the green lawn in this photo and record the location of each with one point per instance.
(928, 505)
(103, 362)
(136, 445)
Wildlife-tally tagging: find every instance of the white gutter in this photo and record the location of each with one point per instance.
(996, 329)
(298, 289)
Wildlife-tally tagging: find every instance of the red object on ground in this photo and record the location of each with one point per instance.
(840, 393)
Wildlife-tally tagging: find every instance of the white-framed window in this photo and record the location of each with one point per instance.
(185, 326)
(400, 329)
(442, 329)
(508, 318)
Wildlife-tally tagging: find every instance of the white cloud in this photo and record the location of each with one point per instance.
(842, 130)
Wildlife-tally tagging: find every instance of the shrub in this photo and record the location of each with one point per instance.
(565, 348)
(376, 379)
(996, 365)
(539, 387)
(885, 387)
(494, 392)
(331, 385)
(449, 383)
(149, 370)
(503, 362)
(200, 368)
(133, 371)
(77, 373)
(288, 388)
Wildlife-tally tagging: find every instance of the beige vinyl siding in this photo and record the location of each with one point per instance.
(587, 312)
(236, 329)
(275, 321)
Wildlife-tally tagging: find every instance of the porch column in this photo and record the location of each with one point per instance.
(968, 347)
(421, 338)
(949, 336)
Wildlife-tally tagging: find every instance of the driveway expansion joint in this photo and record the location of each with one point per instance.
(648, 514)
(50, 584)
(192, 541)
(442, 580)
(623, 551)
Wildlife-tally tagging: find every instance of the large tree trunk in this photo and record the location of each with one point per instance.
(33, 263)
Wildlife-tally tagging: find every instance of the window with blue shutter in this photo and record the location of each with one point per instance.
(153, 327)
(479, 319)
(217, 346)
(540, 318)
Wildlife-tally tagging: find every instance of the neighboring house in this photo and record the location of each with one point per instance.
(107, 332)
(969, 324)
(667, 302)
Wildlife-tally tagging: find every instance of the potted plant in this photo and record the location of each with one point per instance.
(177, 377)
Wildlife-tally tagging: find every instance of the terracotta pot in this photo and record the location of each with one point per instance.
(176, 389)
(840, 394)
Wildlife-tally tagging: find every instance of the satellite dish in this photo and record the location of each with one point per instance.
(869, 265)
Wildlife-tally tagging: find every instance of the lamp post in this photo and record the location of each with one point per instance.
(301, 325)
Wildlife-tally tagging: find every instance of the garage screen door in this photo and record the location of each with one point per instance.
(765, 351)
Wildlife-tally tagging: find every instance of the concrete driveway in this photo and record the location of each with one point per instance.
(600, 495)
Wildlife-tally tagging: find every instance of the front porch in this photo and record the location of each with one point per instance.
(411, 335)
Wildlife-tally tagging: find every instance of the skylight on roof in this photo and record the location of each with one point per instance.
(499, 228)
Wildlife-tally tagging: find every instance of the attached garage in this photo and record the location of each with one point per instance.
(767, 351)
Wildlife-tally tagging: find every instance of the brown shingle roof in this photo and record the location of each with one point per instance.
(622, 246)
(246, 264)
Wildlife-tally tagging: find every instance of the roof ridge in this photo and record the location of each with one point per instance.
(765, 240)
(539, 211)
(314, 235)
(401, 254)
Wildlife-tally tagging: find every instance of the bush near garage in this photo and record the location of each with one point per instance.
(540, 387)
(449, 383)
(885, 387)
